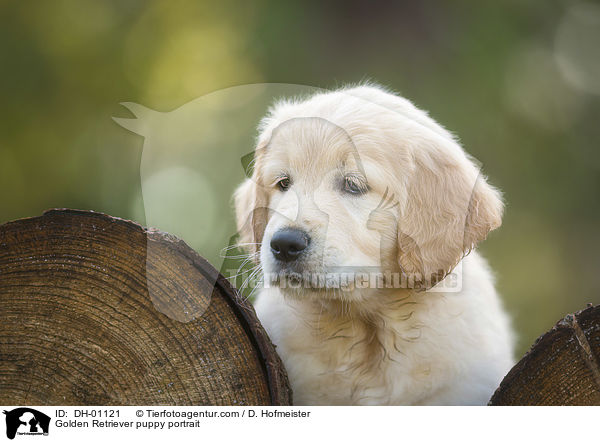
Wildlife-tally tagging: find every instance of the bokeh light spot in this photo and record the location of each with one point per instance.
(576, 47)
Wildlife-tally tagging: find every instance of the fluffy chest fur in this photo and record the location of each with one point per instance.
(418, 349)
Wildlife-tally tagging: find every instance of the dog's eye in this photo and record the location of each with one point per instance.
(353, 187)
(284, 184)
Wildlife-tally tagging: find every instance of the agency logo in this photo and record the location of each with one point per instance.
(26, 422)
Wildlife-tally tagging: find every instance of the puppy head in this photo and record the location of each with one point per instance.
(355, 182)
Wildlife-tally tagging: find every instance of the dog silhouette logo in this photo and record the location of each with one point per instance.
(26, 421)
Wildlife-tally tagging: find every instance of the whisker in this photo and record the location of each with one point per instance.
(250, 277)
(258, 284)
(241, 273)
(236, 246)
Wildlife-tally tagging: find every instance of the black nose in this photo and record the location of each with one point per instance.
(288, 244)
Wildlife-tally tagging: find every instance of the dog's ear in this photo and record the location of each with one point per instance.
(449, 209)
(251, 208)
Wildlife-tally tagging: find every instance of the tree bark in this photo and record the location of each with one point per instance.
(562, 367)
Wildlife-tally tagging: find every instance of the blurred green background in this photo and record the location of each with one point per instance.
(517, 81)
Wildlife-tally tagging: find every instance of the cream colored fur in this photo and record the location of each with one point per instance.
(425, 209)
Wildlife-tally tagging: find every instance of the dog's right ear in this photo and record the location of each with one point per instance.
(451, 208)
(251, 209)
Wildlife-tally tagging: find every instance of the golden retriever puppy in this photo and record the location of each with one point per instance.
(361, 211)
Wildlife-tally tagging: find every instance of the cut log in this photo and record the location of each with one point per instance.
(562, 367)
(95, 310)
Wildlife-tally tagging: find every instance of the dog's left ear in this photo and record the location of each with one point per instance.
(251, 208)
(449, 209)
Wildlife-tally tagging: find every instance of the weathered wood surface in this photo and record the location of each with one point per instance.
(96, 310)
(562, 367)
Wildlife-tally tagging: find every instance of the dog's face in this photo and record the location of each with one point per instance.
(360, 182)
(321, 194)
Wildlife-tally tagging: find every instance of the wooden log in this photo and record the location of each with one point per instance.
(96, 310)
(562, 367)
